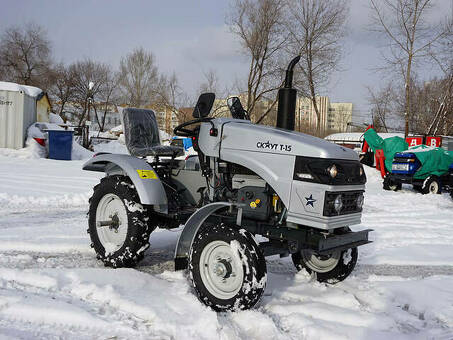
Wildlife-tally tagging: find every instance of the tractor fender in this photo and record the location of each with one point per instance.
(146, 181)
(191, 228)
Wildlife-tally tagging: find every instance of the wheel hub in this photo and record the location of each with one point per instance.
(320, 263)
(115, 222)
(111, 222)
(221, 270)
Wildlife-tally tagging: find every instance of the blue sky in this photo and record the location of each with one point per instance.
(187, 37)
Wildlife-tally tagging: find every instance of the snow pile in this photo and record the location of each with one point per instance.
(31, 150)
(52, 286)
(79, 152)
(358, 136)
(28, 90)
(164, 136)
(117, 130)
(112, 147)
(34, 150)
(409, 228)
(55, 119)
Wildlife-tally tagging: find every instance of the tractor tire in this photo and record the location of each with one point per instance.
(389, 184)
(431, 185)
(124, 236)
(227, 268)
(417, 187)
(367, 158)
(330, 269)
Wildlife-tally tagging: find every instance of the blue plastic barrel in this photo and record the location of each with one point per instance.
(60, 144)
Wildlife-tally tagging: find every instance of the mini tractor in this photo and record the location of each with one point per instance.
(251, 191)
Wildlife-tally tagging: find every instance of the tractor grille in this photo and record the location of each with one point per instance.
(349, 200)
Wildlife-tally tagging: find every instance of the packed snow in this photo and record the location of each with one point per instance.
(52, 286)
(13, 87)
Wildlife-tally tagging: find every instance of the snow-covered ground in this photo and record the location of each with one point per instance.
(51, 285)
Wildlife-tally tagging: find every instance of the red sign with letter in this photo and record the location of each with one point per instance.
(414, 141)
(434, 141)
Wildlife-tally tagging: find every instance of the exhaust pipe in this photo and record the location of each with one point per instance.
(287, 97)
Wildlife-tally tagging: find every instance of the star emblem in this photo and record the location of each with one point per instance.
(310, 200)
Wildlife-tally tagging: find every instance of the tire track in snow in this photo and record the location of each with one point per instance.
(115, 323)
(160, 260)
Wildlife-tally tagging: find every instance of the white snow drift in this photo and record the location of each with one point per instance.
(52, 286)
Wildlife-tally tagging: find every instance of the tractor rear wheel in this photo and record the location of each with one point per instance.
(118, 224)
(227, 268)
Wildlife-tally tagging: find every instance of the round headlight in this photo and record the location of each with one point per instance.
(338, 203)
(359, 202)
(332, 171)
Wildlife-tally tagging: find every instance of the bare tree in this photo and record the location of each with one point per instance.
(258, 24)
(25, 55)
(317, 28)
(382, 105)
(90, 78)
(210, 83)
(434, 106)
(109, 96)
(138, 77)
(169, 95)
(62, 87)
(410, 36)
(442, 53)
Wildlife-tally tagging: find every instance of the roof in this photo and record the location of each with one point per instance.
(28, 90)
(358, 136)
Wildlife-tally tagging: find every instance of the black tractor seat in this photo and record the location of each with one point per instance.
(141, 132)
(164, 151)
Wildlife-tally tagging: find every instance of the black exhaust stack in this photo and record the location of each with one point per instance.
(287, 96)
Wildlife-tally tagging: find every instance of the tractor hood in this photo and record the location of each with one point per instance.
(242, 135)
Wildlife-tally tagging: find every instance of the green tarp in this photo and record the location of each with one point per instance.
(435, 161)
(390, 146)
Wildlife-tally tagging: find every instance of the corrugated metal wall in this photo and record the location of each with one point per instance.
(17, 113)
(447, 143)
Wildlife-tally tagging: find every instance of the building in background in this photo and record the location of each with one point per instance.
(20, 106)
(335, 117)
(220, 109)
(73, 112)
(167, 117)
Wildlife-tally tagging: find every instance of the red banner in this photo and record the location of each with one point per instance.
(414, 141)
(434, 141)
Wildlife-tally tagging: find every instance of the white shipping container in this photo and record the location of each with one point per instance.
(17, 113)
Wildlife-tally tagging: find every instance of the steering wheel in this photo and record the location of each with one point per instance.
(181, 130)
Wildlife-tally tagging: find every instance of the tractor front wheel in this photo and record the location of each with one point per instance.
(227, 268)
(390, 184)
(331, 268)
